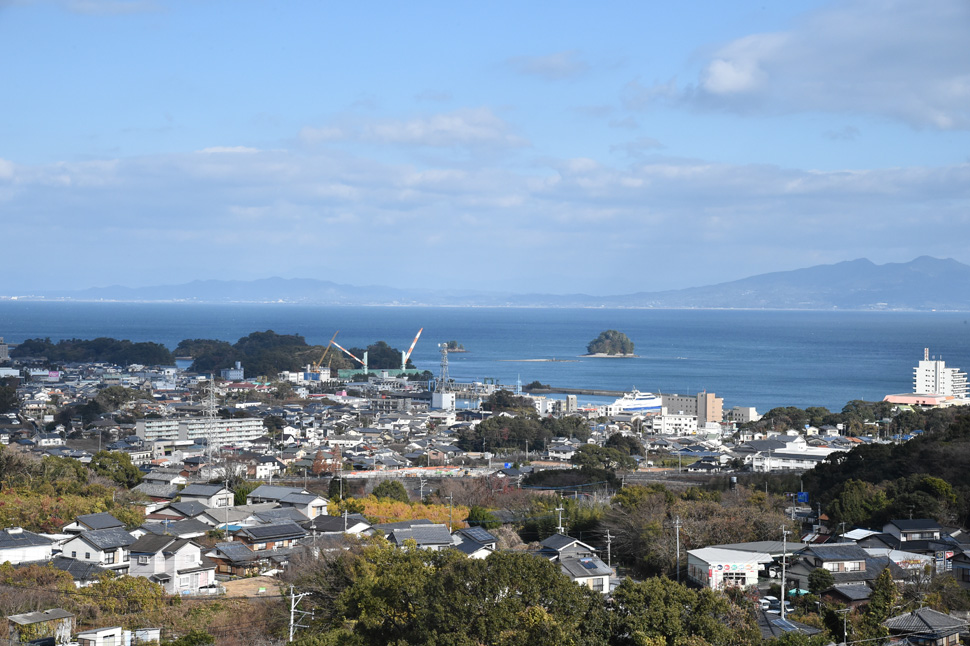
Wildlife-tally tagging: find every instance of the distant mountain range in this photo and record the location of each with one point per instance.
(922, 284)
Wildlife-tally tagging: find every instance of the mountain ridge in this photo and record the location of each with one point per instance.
(924, 283)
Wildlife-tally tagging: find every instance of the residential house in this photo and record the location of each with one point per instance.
(83, 572)
(772, 626)
(175, 563)
(914, 529)
(926, 627)
(20, 546)
(431, 536)
(268, 537)
(847, 562)
(210, 495)
(237, 559)
(105, 547)
(54, 623)
(310, 504)
(587, 571)
(346, 524)
(559, 546)
(87, 522)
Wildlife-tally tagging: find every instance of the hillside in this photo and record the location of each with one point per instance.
(921, 284)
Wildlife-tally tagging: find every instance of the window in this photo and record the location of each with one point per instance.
(127, 555)
(142, 560)
(598, 584)
(73, 555)
(87, 555)
(109, 558)
(853, 566)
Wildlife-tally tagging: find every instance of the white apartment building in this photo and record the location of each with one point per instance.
(932, 376)
(673, 423)
(218, 431)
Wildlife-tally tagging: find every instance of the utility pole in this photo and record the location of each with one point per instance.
(609, 543)
(559, 527)
(845, 628)
(677, 532)
(451, 508)
(422, 482)
(294, 600)
(784, 558)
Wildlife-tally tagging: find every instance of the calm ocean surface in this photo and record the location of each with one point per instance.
(750, 358)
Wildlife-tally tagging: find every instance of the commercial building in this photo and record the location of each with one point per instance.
(705, 406)
(719, 568)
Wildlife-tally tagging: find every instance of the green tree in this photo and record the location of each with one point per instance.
(481, 517)
(391, 490)
(116, 466)
(8, 395)
(591, 457)
(610, 342)
(661, 610)
(626, 443)
(820, 579)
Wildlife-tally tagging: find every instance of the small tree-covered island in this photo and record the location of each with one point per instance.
(612, 344)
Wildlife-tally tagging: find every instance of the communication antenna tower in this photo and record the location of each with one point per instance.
(443, 378)
(210, 419)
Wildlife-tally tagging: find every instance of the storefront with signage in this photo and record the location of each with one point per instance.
(719, 568)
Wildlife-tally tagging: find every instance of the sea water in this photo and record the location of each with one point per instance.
(749, 358)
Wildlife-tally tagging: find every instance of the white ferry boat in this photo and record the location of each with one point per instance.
(637, 402)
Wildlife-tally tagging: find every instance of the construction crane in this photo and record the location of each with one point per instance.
(316, 366)
(407, 355)
(353, 356)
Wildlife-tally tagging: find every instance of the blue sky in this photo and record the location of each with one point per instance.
(538, 146)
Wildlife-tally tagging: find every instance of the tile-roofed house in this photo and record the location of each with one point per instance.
(914, 529)
(237, 559)
(387, 528)
(105, 547)
(179, 510)
(187, 528)
(282, 513)
(478, 535)
(310, 504)
(851, 595)
(847, 562)
(587, 571)
(210, 495)
(157, 492)
(926, 627)
(277, 535)
(20, 546)
(560, 546)
(772, 626)
(83, 572)
(349, 523)
(86, 522)
(175, 563)
(432, 537)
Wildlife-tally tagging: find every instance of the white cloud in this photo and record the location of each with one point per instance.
(553, 67)
(896, 58)
(229, 150)
(314, 208)
(466, 127)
